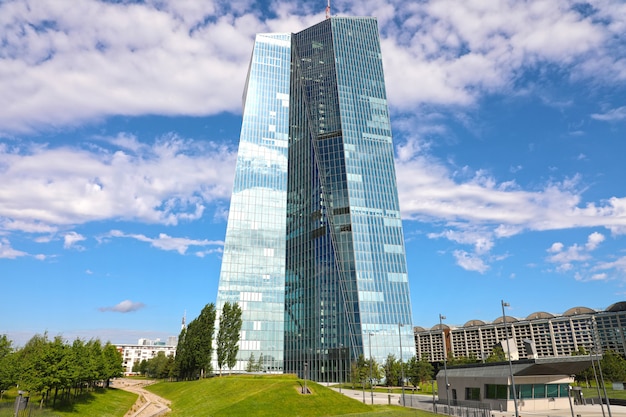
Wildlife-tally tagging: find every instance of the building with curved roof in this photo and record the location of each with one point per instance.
(539, 335)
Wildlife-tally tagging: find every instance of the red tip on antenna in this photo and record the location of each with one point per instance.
(328, 10)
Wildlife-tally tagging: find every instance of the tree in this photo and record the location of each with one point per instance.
(195, 346)
(462, 360)
(613, 366)
(586, 374)
(206, 329)
(228, 336)
(112, 362)
(419, 371)
(359, 371)
(251, 366)
(393, 371)
(497, 355)
(7, 364)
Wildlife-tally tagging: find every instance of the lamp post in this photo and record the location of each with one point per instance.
(445, 360)
(371, 380)
(508, 348)
(305, 376)
(340, 364)
(608, 405)
(401, 362)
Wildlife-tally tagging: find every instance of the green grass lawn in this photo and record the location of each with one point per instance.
(265, 395)
(593, 393)
(101, 402)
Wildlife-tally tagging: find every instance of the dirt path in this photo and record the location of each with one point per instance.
(148, 404)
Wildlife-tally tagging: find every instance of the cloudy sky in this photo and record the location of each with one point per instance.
(119, 125)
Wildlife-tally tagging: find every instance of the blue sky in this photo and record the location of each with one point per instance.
(119, 126)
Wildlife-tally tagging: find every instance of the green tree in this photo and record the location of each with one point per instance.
(251, 366)
(613, 366)
(359, 371)
(7, 364)
(393, 371)
(112, 362)
(419, 371)
(228, 336)
(497, 355)
(462, 360)
(206, 329)
(586, 374)
(195, 346)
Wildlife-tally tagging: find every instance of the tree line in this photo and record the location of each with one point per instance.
(55, 367)
(365, 372)
(195, 346)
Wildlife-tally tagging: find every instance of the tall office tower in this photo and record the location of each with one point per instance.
(253, 264)
(346, 282)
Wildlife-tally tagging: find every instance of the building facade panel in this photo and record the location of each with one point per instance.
(253, 263)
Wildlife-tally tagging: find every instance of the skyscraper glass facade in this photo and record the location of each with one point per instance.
(253, 265)
(346, 282)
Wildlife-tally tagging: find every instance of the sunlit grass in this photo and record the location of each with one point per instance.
(267, 395)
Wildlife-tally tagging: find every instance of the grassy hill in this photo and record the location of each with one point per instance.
(264, 395)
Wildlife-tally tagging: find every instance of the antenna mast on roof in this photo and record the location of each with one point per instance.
(328, 10)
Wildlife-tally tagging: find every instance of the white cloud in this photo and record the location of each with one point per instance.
(574, 255)
(70, 239)
(556, 247)
(46, 186)
(611, 115)
(78, 60)
(470, 262)
(7, 252)
(594, 240)
(619, 265)
(65, 62)
(428, 190)
(165, 242)
(126, 306)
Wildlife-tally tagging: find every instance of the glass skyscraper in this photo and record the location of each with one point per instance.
(253, 264)
(314, 251)
(346, 281)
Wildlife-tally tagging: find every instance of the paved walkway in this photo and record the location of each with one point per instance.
(425, 402)
(148, 404)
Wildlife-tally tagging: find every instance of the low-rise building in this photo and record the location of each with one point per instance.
(145, 349)
(540, 384)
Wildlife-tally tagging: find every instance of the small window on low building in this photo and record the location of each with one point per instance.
(472, 394)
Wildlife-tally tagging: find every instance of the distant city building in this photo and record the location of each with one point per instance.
(314, 251)
(145, 349)
(540, 335)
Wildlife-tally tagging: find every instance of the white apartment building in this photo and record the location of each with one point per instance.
(145, 349)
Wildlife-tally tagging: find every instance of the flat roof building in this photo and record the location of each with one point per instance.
(539, 335)
(540, 384)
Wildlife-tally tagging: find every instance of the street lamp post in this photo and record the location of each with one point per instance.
(371, 380)
(305, 376)
(508, 348)
(340, 367)
(401, 362)
(445, 360)
(608, 405)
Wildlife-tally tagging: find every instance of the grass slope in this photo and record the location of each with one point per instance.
(101, 402)
(263, 395)
(108, 402)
